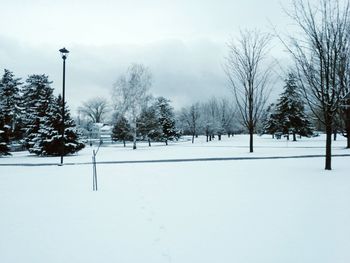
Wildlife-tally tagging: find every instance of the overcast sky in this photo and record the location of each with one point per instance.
(183, 42)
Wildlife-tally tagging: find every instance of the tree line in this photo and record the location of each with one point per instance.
(31, 117)
(318, 83)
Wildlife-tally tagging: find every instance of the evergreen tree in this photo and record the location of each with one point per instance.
(271, 123)
(122, 130)
(49, 138)
(4, 149)
(37, 98)
(291, 117)
(166, 118)
(10, 105)
(149, 126)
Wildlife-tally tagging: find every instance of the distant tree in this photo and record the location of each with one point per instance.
(122, 130)
(10, 105)
(37, 98)
(166, 119)
(149, 126)
(212, 109)
(49, 140)
(226, 117)
(271, 121)
(210, 119)
(290, 113)
(248, 77)
(95, 109)
(190, 116)
(130, 95)
(206, 120)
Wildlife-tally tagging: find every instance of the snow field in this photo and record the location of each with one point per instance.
(285, 210)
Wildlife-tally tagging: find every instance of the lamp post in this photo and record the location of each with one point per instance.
(64, 53)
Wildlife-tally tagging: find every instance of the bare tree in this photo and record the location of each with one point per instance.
(94, 109)
(320, 53)
(209, 118)
(190, 116)
(130, 94)
(248, 77)
(344, 80)
(345, 116)
(226, 116)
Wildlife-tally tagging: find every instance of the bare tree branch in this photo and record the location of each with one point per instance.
(321, 56)
(248, 77)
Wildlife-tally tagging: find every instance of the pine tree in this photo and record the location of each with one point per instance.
(49, 135)
(271, 122)
(291, 117)
(149, 126)
(10, 105)
(122, 130)
(37, 98)
(4, 149)
(166, 118)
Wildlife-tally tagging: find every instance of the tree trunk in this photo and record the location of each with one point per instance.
(251, 140)
(328, 165)
(134, 135)
(210, 138)
(347, 126)
(134, 142)
(219, 136)
(294, 137)
(207, 137)
(192, 138)
(149, 142)
(124, 142)
(166, 141)
(335, 135)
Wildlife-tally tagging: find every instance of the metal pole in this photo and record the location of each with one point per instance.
(95, 175)
(63, 98)
(94, 171)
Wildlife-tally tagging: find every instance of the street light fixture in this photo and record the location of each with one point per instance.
(64, 54)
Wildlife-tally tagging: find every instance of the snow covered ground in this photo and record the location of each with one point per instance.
(271, 210)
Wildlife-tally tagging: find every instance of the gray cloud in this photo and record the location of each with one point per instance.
(182, 42)
(182, 72)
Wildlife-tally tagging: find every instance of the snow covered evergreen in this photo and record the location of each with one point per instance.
(289, 116)
(149, 125)
(10, 106)
(271, 123)
(50, 132)
(43, 119)
(122, 130)
(166, 119)
(4, 149)
(37, 98)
